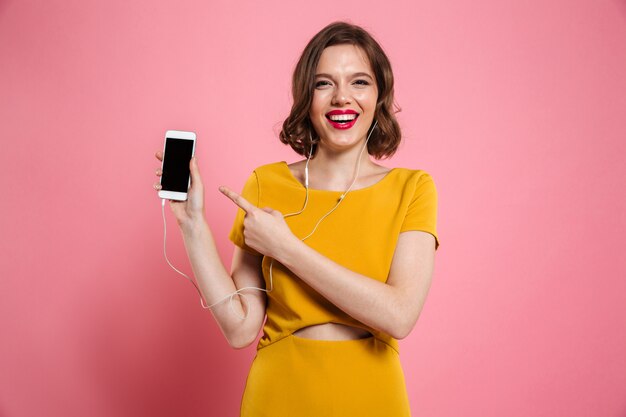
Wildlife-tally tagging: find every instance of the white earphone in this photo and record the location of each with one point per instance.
(306, 183)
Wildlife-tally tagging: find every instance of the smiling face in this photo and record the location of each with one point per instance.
(344, 99)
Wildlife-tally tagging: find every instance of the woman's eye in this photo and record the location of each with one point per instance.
(361, 82)
(322, 83)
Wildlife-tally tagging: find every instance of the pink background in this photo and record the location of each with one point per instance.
(517, 109)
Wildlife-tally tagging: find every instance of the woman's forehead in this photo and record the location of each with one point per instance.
(344, 58)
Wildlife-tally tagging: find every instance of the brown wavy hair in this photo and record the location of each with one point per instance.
(298, 131)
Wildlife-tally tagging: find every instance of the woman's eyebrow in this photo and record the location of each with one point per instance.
(356, 74)
(363, 74)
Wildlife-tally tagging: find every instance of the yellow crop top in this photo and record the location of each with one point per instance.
(361, 234)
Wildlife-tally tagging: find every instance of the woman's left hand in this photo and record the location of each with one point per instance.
(265, 230)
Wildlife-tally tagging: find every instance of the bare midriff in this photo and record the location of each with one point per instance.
(332, 331)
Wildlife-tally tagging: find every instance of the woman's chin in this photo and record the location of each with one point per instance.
(342, 142)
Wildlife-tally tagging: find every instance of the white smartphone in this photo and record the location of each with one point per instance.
(178, 150)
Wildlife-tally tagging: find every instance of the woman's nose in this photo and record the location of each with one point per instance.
(341, 96)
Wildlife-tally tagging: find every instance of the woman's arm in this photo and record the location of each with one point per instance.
(392, 307)
(213, 280)
(215, 283)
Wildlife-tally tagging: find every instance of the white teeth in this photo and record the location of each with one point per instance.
(342, 117)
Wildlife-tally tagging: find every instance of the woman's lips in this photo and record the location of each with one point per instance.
(344, 119)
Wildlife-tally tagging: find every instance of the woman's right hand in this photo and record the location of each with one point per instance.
(190, 211)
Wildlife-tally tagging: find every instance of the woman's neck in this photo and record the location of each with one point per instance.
(338, 169)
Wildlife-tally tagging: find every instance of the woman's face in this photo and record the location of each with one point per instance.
(344, 99)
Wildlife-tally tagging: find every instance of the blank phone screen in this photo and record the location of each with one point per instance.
(178, 153)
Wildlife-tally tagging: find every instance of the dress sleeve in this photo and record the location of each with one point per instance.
(422, 211)
(250, 192)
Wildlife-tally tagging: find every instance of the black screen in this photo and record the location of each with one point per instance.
(176, 164)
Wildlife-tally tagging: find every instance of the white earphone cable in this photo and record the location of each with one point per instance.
(306, 181)
(202, 302)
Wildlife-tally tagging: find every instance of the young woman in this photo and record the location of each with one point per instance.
(336, 251)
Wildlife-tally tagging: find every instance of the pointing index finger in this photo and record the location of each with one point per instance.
(237, 199)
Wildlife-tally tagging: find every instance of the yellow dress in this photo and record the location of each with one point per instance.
(300, 377)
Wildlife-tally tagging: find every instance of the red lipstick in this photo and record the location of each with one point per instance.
(342, 123)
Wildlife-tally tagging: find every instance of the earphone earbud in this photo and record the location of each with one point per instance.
(306, 173)
(306, 167)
